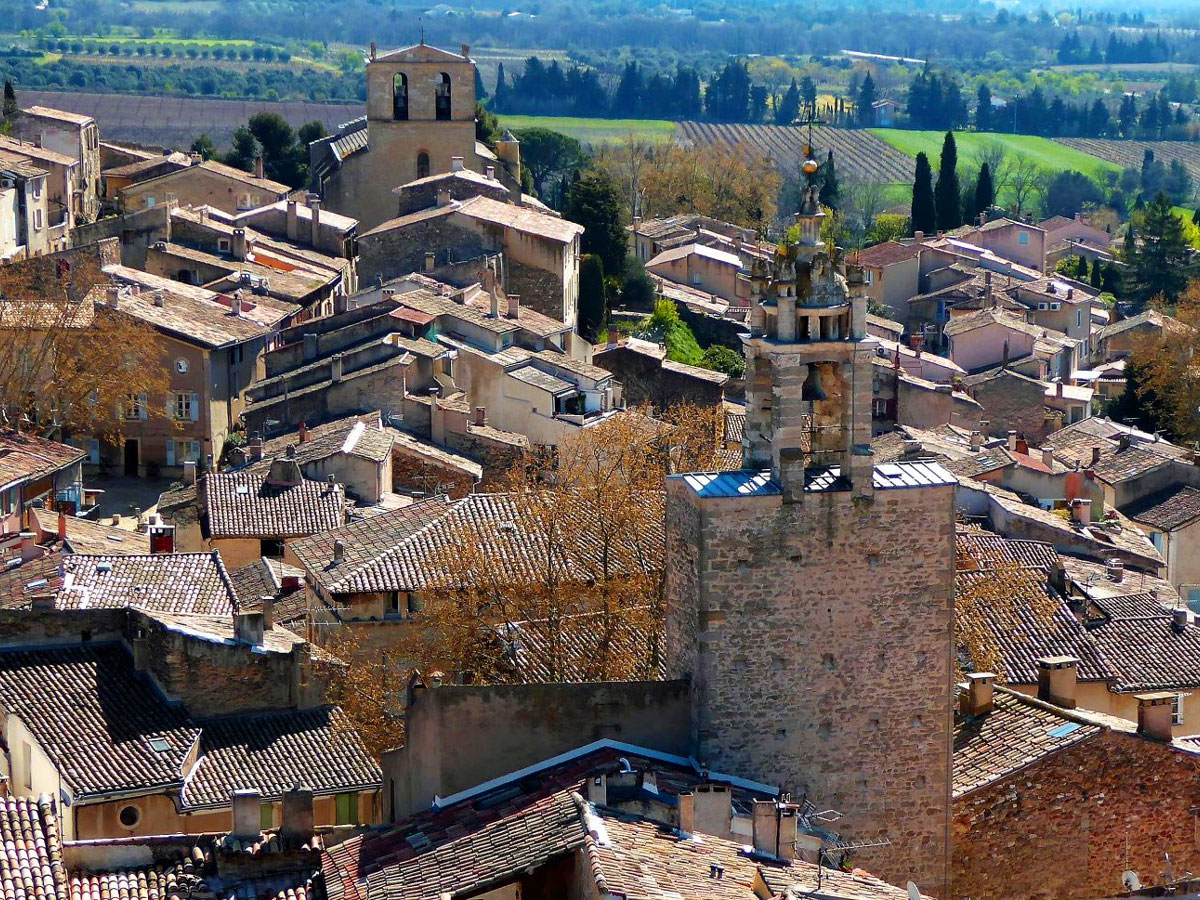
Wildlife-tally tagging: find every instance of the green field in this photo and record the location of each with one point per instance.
(595, 131)
(1042, 151)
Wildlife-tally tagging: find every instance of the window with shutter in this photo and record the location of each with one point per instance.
(143, 410)
(170, 453)
(194, 407)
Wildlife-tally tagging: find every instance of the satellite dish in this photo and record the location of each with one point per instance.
(914, 893)
(1131, 881)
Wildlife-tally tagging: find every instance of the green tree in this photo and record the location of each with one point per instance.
(866, 102)
(10, 101)
(278, 141)
(887, 227)
(487, 126)
(244, 150)
(720, 358)
(985, 190)
(788, 109)
(1097, 278)
(593, 308)
(637, 287)
(548, 154)
(924, 211)
(204, 146)
(830, 190)
(946, 193)
(1161, 263)
(594, 203)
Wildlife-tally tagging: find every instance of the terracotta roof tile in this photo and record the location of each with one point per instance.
(888, 253)
(86, 536)
(248, 504)
(1167, 510)
(25, 456)
(104, 727)
(1016, 733)
(275, 751)
(31, 860)
(190, 583)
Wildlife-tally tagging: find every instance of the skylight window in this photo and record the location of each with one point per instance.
(159, 745)
(1063, 730)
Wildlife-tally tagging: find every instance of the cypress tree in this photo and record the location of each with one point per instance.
(10, 101)
(924, 212)
(866, 102)
(829, 184)
(500, 95)
(985, 191)
(1097, 276)
(946, 193)
(983, 109)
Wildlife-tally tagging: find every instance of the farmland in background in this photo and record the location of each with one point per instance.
(1129, 154)
(1045, 153)
(858, 155)
(595, 131)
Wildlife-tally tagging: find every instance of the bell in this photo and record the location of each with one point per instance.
(812, 389)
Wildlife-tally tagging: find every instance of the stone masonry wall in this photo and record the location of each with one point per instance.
(401, 251)
(1069, 826)
(538, 289)
(819, 635)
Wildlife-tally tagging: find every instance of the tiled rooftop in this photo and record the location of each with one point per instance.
(273, 752)
(409, 549)
(1147, 651)
(27, 456)
(1016, 733)
(103, 726)
(86, 536)
(247, 504)
(1167, 510)
(31, 861)
(189, 583)
(358, 435)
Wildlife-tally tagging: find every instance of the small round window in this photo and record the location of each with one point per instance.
(130, 816)
(181, 366)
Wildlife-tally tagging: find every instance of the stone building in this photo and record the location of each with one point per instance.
(420, 116)
(814, 618)
(72, 135)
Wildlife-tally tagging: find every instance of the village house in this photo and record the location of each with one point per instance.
(25, 227)
(420, 118)
(205, 183)
(994, 337)
(902, 398)
(211, 345)
(64, 199)
(126, 167)
(1117, 340)
(1066, 237)
(36, 470)
(540, 251)
(716, 272)
(1103, 797)
(250, 515)
(1013, 401)
(650, 237)
(1008, 239)
(73, 136)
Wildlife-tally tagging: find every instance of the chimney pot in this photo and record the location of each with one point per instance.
(1012, 440)
(481, 415)
(247, 813)
(258, 167)
(162, 538)
(687, 812)
(1155, 715)
(256, 449)
(980, 693)
(339, 551)
(456, 164)
(1057, 677)
(1114, 568)
(443, 197)
(466, 51)
(296, 825)
(1048, 457)
(918, 236)
(976, 440)
(1081, 511)
(597, 790)
(62, 526)
(303, 433)
(1179, 618)
(514, 306)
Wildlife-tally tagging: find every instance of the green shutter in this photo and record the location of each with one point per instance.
(266, 816)
(347, 809)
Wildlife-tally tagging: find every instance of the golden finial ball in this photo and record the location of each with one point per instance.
(809, 167)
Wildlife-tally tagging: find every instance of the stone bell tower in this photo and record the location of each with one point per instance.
(810, 595)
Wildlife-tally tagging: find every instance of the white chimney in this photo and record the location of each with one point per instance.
(247, 813)
(456, 164)
(443, 197)
(1048, 457)
(339, 552)
(1057, 676)
(1012, 440)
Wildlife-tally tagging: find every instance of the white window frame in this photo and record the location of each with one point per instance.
(1177, 709)
(37, 220)
(185, 406)
(135, 407)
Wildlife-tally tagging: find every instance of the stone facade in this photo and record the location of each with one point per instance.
(814, 611)
(1012, 401)
(1071, 824)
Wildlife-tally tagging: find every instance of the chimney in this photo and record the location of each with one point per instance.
(514, 306)
(597, 790)
(1124, 442)
(918, 236)
(1155, 715)
(339, 552)
(248, 627)
(296, 826)
(162, 538)
(490, 171)
(62, 526)
(1078, 217)
(495, 305)
(456, 164)
(235, 302)
(766, 827)
(258, 167)
(29, 547)
(976, 440)
(314, 211)
(1056, 680)
(1012, 440)
(978, 699)
(983, 218)
(303, 433)
(267, 605)
(687, 812)
(160, 298)
(42, 602)
(466, 51)
(1058, 389)
(247, 813)
(1114, 569)
(112, 294)
(481, 415)
(430, 260)
(285, 471)
(374, 51)
(443, 197)
(255, 445)
(335, 368)
(788, 821)
(1095, 454)
(1081, 511)
(293, 220)
(195, 158)
(1179, 619)
(239, 243)
(1048, 457)
(714, 807)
